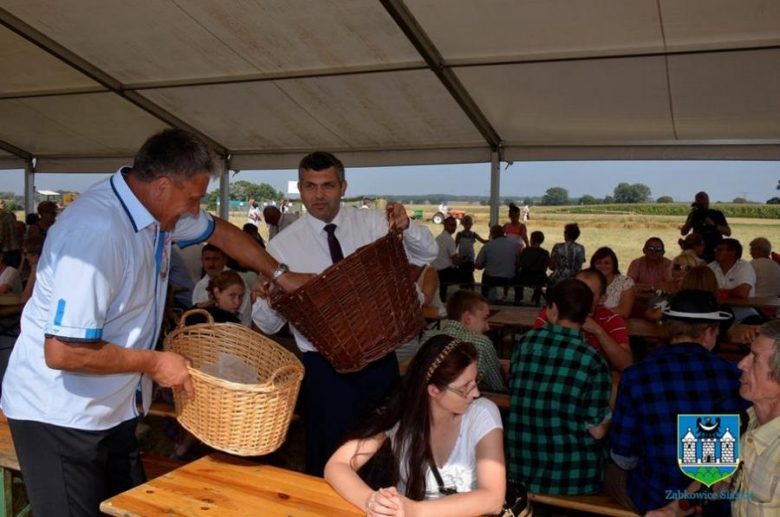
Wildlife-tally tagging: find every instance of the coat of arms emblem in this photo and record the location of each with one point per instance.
(708, 446)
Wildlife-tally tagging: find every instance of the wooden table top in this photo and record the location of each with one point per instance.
(771, 302)
(8, 457)
(524, 317)
(220, 485)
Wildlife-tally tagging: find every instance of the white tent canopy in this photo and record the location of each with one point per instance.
(390, 82)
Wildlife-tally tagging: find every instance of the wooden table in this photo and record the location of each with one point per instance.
(524, 317)
(769, 302)
(221, 485)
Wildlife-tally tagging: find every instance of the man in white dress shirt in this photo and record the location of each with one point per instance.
(89, 330)
(324, 235)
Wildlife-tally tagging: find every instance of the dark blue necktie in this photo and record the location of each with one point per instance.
(333, 243)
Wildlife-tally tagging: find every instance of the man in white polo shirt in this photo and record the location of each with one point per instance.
(736, 277)
(89, 331)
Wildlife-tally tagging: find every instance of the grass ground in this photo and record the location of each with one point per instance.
(625, 234)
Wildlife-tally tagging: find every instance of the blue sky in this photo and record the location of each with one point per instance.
(724, 180)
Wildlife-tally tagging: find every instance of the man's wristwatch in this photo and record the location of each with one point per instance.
(279, 271)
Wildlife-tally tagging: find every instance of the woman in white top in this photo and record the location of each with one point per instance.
(10, 281)
(620, 288)
(434, 418)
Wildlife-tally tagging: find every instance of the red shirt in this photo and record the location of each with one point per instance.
(607, 319)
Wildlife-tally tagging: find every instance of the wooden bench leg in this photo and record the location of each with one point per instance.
(7, 497)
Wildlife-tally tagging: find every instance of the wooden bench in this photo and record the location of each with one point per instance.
(154, 466)
(600, 504)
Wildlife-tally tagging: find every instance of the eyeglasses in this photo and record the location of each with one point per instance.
(681, 267)
(466, 392)
(654, 248)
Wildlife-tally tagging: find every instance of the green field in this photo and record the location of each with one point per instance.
(625, 234)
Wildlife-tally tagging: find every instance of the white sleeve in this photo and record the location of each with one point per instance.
(267, 319)
(420, 244)
(483, 417)
(746, 275)
(191, 230)
(451, 248)
(98, 261)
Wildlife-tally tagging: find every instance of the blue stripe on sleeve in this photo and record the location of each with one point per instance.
(60, 312)
(203, 237)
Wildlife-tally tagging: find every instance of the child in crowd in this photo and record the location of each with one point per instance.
(465, 240)
(533, 267)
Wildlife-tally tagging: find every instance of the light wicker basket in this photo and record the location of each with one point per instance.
(242, 419)
(359, 309)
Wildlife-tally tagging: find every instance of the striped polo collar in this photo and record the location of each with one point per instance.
(135, 210)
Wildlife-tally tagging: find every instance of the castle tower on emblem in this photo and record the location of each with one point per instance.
(727, 447)
(689, 447)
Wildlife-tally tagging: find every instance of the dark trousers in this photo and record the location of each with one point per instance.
(334, 402)
(70, 471)
(450, 275)
(488, 282)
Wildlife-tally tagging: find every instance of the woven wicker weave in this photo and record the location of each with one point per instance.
(243, 419)
(359, 309)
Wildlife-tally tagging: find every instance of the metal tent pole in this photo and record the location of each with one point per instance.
(495, 186)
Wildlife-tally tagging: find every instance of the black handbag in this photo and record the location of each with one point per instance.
(516, 502)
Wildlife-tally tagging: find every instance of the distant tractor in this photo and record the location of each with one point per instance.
(439, 217)
(416, 214)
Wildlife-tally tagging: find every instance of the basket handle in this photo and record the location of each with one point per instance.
(284, 370)
(191, 312)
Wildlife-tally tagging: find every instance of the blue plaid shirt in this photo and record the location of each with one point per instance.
(677, 379)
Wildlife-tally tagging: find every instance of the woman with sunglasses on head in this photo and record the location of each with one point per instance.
(435, 427)
(660, 300)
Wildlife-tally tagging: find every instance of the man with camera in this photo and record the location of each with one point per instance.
(710, 224)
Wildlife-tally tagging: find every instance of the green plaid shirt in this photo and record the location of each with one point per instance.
(559, 386)
(488, 364)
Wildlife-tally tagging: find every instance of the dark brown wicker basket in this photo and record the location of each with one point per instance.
(359, 309)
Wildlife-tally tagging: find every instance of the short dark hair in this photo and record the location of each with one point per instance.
(537, 237)
(210, 247)
(514, 209)
(496, 231)
(464, 301)
(176, 154)
(592, 272)
(689, 328)
(572, 231)
(573, 298)
(734, 245)
(603, 253)
(319, 161)
(651, 239)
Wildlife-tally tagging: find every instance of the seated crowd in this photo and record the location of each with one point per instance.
(575, 425)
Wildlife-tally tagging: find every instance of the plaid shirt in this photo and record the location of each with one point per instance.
(488, 363)
(559, 387)
(759, 470)
(677, 379)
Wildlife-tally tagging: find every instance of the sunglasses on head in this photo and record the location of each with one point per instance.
(654, 248)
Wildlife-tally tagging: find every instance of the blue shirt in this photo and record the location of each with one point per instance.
(676, 379)
(102, 275)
